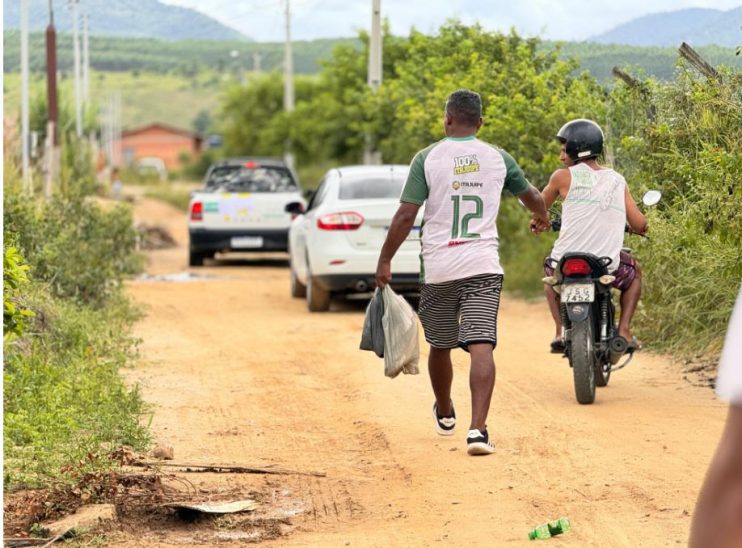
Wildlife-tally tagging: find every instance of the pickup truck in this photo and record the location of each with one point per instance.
(242, 208)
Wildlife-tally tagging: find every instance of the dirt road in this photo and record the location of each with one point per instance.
(240, 373)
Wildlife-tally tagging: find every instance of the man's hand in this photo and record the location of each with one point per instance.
(539, 224)
(532, 199)
(400, 227)
(383, 273)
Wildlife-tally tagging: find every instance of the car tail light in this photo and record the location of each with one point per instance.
(197, 211)
(347, 220)
(579, 267)
(250, 164)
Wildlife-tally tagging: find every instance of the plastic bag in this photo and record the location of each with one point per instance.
(401, 348)
(372, 337)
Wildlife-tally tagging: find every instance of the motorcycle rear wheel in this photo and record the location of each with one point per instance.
(582, 359)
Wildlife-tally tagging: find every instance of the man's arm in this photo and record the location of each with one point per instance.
(636, 219)
(556, 187)
(532, 199)
(402, 222)
(716, 520)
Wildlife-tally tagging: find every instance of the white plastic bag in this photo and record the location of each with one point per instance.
(401, 348)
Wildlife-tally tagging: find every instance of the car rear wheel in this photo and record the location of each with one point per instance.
(298, 289)
(318, 299)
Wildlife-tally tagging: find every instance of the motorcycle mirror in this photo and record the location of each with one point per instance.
(652, 197)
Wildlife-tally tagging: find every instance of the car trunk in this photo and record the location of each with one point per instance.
(377, 216)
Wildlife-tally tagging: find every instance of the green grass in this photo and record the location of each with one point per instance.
(146, 97)
(176, 196)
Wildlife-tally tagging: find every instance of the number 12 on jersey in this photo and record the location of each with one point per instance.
(460, 227)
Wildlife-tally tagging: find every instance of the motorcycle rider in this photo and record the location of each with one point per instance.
(597, 205)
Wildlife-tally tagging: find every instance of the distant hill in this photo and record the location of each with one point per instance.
(132, 18)
(189, 57)
(697, 26)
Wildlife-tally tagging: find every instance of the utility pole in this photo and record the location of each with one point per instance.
(256, 59)
(52, 139)
(85, 61)
(374, 48)
(25, 166)
(76, 48)
(288, 83)
(370, 154)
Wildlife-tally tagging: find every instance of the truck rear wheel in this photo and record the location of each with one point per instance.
(196, 258)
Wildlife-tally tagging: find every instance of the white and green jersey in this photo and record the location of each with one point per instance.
(460, 181)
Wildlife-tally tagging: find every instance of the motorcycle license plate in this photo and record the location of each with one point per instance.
(578, 293)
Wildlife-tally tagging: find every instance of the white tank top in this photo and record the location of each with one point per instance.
(593, 214)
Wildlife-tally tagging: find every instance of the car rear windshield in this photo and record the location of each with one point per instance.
(373, 186)
(257, 179)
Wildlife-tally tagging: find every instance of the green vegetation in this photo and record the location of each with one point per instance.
(184, 57)
(176, 196)
(690, 147)
(646, 61)
(147, 96)
(67, 329)
(188, 58)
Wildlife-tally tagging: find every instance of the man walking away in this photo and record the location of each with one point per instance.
(460, 179)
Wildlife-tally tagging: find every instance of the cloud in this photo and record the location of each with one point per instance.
(263, 20)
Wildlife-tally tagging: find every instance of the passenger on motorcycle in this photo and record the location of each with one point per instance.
(597, 205)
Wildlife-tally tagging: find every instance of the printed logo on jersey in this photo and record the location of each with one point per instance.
(465, 164)
(581, 186)
(466, 184)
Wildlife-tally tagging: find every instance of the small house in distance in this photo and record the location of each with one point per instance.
(157, 140)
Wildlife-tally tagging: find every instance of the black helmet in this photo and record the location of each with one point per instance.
(583, 139)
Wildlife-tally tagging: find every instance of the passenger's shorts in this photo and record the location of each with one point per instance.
(625, 274)
(461, 312)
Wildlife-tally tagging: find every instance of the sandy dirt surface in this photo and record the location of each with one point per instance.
(239, 373)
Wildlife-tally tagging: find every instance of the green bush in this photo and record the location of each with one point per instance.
(63, 397)
(685, 139)
(81, 250)
(15, 281)
(65, 406)
(177, 197)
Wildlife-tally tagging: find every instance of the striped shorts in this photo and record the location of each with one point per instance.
(461, 312)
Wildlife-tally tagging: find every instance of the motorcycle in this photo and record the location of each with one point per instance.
(592, 343)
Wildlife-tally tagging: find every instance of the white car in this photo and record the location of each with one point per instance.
(334, 245)
(242, 207)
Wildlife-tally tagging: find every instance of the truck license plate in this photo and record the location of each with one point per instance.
(578, 293)
(246, 242)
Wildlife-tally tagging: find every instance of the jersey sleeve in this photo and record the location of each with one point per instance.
(729, 380)
(415, 190)
(515, 180)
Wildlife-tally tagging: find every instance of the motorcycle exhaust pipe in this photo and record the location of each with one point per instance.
(616, 349)
(361, 286)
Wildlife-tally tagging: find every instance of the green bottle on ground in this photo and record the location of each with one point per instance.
(551, 529)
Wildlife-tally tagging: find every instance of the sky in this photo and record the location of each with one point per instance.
(263, 20)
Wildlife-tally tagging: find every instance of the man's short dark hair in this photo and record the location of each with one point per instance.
(465, 107)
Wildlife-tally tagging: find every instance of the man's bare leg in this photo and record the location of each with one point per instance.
(553, 299)
(481, 383)
(629, 301)
(441, 377)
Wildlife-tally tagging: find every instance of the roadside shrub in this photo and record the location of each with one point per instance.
(687, 142)
(63, 397)
(81, 250)
(65, 406)
(15, 281)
